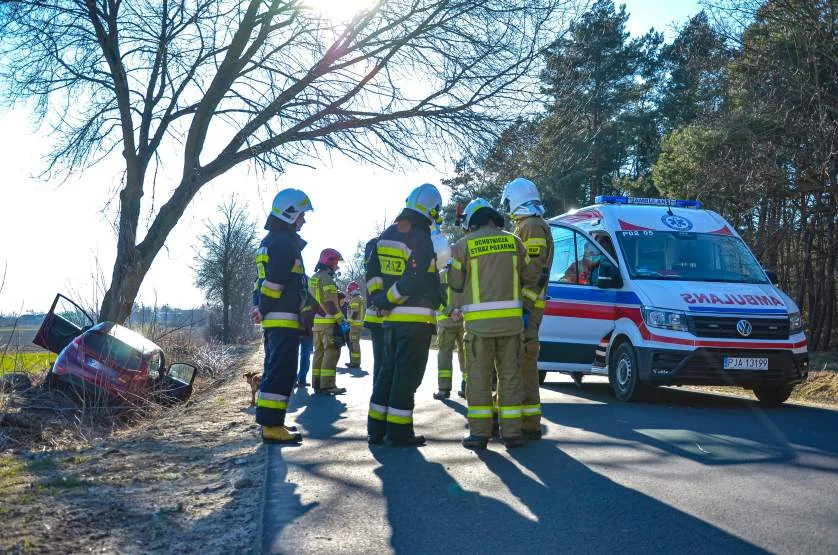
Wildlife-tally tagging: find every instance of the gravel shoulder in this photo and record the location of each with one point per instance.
(189, 479)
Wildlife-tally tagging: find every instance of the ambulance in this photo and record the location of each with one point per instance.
(651, 292)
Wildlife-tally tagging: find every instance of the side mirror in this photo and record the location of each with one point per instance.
(772, 276)
(609, 276)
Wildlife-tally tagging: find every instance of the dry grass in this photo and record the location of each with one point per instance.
(43, 419)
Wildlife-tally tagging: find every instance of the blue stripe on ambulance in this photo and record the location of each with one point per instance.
(592, 294)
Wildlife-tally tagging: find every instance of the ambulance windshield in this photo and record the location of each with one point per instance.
(685, 256)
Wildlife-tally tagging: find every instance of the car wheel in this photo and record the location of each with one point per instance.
(772, 396)
(542, 377)
(623, 373)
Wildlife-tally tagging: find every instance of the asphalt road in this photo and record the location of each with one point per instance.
(683, 472)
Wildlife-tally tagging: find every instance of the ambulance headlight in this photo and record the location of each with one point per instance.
(795, 323)
(665, 319)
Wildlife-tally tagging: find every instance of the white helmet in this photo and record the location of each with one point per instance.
(520, 198)
(441, 247)
(289, 204)
(426, 200)
(473, 207)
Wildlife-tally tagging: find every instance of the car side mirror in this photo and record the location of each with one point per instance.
(772, 276)
(609, 276)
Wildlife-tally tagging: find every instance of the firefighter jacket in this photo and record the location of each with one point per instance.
(372, 273)
(536, 235)
(357, 307)
(325, 292)
(280, 290)
(410, 288)
(452, 301)
(491, 268)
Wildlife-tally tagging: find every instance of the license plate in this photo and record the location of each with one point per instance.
(741, 363)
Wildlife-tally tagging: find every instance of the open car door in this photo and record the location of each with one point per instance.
(64, 322)
(176, 385)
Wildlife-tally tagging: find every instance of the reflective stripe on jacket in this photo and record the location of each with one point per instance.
(537, 237)
(280, 289)
(324, 290)
(490, 268)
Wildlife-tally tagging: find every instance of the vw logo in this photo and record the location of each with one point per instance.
(744, 328)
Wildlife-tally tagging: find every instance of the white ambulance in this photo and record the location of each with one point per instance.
(662, 292)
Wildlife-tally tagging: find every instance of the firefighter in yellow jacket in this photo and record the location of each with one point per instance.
(523, 202)
(489, 267)
(449, 334)
(357, 307)
(327, 323)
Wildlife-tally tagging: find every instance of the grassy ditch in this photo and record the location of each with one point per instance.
(29, 362)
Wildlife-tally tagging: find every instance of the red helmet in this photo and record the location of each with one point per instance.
(352, 287)
(330, 258)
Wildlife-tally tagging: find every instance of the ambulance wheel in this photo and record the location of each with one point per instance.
(623, 373)
(542, 377)
(773, 396)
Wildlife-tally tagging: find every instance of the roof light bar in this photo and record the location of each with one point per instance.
(677, 203)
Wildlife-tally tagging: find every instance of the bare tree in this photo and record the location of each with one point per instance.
(225, 265)
(217, 83)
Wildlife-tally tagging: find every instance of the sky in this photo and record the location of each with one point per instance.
(57, 237)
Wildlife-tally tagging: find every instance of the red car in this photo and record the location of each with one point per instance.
(108, 358)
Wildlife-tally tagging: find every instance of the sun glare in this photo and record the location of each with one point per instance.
(339, 10)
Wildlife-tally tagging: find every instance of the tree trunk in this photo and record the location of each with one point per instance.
(225, 314)
(128, 274)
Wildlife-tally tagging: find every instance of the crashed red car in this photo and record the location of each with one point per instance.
(109, 358)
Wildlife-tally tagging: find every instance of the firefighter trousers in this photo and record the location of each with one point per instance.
(355, 345)
(325, 362)
(484, 355)
(531, 403)
(377, 337)
(449, 338)
(405, 357)
(281, 357)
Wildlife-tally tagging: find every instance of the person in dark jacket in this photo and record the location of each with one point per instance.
(408, 298)
(281, 304)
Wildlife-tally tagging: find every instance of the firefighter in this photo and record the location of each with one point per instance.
(489, 267)
(280, 304)
(355, 309)
(328, 329)
(449, 333)
(410, 294)
(522, 201)
(373, 317)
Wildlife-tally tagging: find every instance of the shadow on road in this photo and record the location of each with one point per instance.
(710, 429)
(282, 505)
(319, 415)
(582, 511)
(575, 510)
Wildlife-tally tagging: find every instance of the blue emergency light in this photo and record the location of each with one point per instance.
(677, 203)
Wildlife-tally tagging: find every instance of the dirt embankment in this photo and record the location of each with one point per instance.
(183, 479)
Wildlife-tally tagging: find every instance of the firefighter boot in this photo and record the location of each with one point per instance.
(475, 442)
(442, 394)
(512, 442)
(332, 391)
(280, 434)
(411, 441)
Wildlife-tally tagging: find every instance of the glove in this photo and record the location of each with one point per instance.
(337, 336)
(526, 319)
(344, 327)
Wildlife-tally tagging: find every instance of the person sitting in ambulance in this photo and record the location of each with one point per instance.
(584, 271)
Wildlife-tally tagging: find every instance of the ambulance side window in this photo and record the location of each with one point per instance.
(564, 254)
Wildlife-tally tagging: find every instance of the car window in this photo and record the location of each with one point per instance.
(155, 361)
(564, 253)
(576, 258)
(114, 350)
